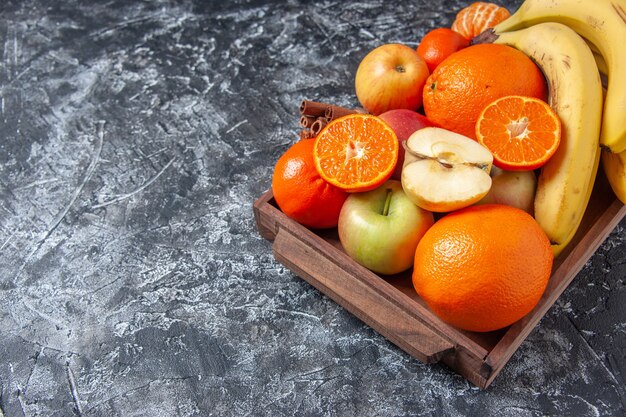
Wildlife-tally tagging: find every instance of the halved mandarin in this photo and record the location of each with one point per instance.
(522, 133)
(356, 153)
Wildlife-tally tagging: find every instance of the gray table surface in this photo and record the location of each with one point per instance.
(134, 137)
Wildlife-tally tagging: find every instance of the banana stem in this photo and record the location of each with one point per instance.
(487, 36)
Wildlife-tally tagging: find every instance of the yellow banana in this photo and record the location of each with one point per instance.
(602, 67)
(566, 180)
(614, 165)
(600, 62)
(603, 23)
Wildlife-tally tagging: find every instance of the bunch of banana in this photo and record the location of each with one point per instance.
(566, 181)
(565, 38)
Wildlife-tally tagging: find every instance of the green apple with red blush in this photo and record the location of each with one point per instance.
(380, 229)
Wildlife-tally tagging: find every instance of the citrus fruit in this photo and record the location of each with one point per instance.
(357, 152)
(522, 133)
(468, 80)
(438, 44)
(477, 17)
(301, 193)
(483, 268)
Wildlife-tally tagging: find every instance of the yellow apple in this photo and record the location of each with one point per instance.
(391, 76)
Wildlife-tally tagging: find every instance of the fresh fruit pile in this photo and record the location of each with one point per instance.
(474, 160)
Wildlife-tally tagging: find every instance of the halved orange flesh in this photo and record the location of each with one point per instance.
(356, 153)
(522, 133)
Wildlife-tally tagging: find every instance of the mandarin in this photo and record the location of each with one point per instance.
(301, 193)
(522, 133)
(468, 80)
(438, 44)
(483, 268)
(477, 17)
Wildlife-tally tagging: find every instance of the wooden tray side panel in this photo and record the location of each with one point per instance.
(407, 323)
(363, 301)
(265, 216)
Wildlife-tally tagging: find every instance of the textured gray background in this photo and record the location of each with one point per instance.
(134, 137)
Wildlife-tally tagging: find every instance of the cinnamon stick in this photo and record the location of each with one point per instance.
(318, 125)
(334, 112)
(312, 108)
(307, 121)
(306, 134)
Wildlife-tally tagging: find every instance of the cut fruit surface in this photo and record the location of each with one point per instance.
(444, 171)
(356, 153)
(522, 133)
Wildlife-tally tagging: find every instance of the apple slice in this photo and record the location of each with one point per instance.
(444, 171)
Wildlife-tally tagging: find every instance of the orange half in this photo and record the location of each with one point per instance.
(356, 153)
(522, 133)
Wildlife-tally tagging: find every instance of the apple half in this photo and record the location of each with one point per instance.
(445, 171)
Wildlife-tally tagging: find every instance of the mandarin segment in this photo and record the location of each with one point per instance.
(356, 153)
(477, 17)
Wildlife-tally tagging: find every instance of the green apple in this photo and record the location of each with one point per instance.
(512, 188)
(380, 229)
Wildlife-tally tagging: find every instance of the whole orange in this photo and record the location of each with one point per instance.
(301, 193)
(438, 44)
(468, 80)
(483, 268)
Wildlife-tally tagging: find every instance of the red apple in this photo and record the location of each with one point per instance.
(391, 76)
(404, 122)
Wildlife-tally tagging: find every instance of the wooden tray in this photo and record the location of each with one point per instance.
(391, 306)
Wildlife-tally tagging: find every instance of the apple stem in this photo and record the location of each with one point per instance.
(387, 202)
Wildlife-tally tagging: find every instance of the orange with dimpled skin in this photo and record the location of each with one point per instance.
(468, 80)
(483, 268)
(301, 193)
